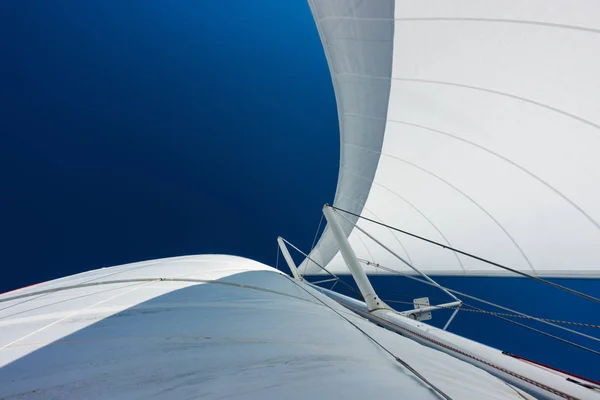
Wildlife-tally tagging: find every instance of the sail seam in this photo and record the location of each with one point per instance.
(502, 20)
(518, 166)
(510, 237)
(390, 230)
(504, 94)
(466, 19)
(455, 250)
(417, 210)
(481, 89)
(243, 286)
(135, 287)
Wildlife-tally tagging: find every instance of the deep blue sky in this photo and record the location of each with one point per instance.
(131, 130)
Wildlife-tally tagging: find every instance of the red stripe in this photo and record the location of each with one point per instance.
(24, 287)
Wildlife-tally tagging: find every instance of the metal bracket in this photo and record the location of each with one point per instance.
(422, 310)
(422, 302)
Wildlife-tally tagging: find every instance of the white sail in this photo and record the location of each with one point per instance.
(474, 123)
(213, 327)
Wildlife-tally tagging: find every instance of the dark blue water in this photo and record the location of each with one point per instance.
(520, 294)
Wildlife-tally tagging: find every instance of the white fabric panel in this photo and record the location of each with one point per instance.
(357, 38)
(492, 137)
(244, 331)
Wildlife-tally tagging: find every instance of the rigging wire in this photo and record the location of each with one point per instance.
(375, 341)
(494, 305)
(334, 283)
(403, 260)
(277, 259)
(540, 331)
(504, 315)
(547, 282)
(316, 233)
(312, 246)
(493, 313)
(325, 269)
(558, 321)
(522, 315)
(323, 281)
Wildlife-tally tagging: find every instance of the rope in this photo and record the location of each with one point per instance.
(481, 311)
(514, 312)
(503, 308)
(119, 271)
(277, 259)
(544, 333)
(556, 285)
(174, 279)
(558, 321)
(402, 259)
(473, 308)
(398, 359)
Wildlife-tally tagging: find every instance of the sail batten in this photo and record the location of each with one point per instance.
(491, 130)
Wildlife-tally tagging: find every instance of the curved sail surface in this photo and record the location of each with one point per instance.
(210, 326)
(472, 123)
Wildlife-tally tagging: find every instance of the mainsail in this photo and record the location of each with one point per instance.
(475, 124)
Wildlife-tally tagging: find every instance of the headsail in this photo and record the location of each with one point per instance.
(473, 123)
(211, 326)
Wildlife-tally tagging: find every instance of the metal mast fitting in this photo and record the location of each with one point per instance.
(360, 277)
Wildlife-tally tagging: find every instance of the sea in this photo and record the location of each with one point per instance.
(502, 329)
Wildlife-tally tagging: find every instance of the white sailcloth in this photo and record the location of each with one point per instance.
(214, 327)
(475, 123)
